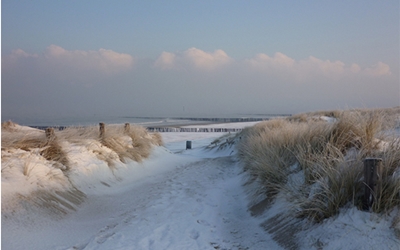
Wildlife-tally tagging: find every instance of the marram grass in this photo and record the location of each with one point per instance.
(328, 154)
(135, 144)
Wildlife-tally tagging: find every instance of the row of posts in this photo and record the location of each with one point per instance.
(205, 130)
(127, 128)
(51, 136)
(372, 168)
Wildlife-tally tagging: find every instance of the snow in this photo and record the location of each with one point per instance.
(175, 199)
(352, 229)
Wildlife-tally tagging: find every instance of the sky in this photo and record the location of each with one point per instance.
(196, 58)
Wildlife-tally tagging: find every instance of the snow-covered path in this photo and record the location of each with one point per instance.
(197, 206)
(197, 203)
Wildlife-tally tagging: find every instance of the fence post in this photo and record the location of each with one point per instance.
(50, 134)
(188, 144)
(102, 130)
(372, 181)
(127, 128)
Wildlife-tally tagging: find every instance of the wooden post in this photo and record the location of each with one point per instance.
(372, 175)
(188, 144)
(50, 134)
(127, 128)
(102, 130)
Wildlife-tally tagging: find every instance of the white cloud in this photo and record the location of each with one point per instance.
(20, 53)
(194, 58)
(16, 55)
(60, 60)
(166, 61)
(326, 67)
(263, 61)
(378, 70)
(205, 60)
(103, 60)
(89, 66)
(311, 67)
(355, 68)
(58, 66)
(55, 51)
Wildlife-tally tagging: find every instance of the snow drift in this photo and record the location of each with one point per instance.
(53, 174)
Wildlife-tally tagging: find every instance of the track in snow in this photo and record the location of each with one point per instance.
(197, 206)
(199, 203)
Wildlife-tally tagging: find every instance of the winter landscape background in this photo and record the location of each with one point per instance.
(110, 192)
(332, 65)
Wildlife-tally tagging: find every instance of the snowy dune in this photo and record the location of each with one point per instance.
(175, 199)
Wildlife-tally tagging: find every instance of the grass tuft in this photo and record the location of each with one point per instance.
(135, 144)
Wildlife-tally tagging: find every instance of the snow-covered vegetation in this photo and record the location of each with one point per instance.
(316, 162)
(44, 171)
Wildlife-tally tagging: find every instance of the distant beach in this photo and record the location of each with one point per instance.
(154, 122)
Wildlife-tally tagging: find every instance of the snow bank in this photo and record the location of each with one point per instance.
(31, 179)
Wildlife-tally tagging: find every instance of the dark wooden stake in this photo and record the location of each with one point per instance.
(127, 128)
(372, 174)
(102, 130)
(188, 144)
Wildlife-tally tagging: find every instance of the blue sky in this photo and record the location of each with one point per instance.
(215, 57)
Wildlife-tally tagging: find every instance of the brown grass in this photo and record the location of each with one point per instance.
(135, 144)
(329, 156)
(54, 152)
(24, 150)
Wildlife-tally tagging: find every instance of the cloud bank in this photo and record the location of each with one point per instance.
(278, 66)
(103, 60)
(307, 69)
(108, 62)
(60, 81)
(59, 59)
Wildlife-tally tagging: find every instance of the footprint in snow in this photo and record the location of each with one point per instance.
(194, 234)
(225, 220)
(102, 238)
(203, 222)
(108, 227)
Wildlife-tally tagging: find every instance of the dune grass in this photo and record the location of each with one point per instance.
(134, 144)
(43, 165)
(328, 153)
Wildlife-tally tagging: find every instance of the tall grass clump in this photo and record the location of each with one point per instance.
(268, 151)
(13, 137)
(134, 144)
(328, 153)
(28, 139)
